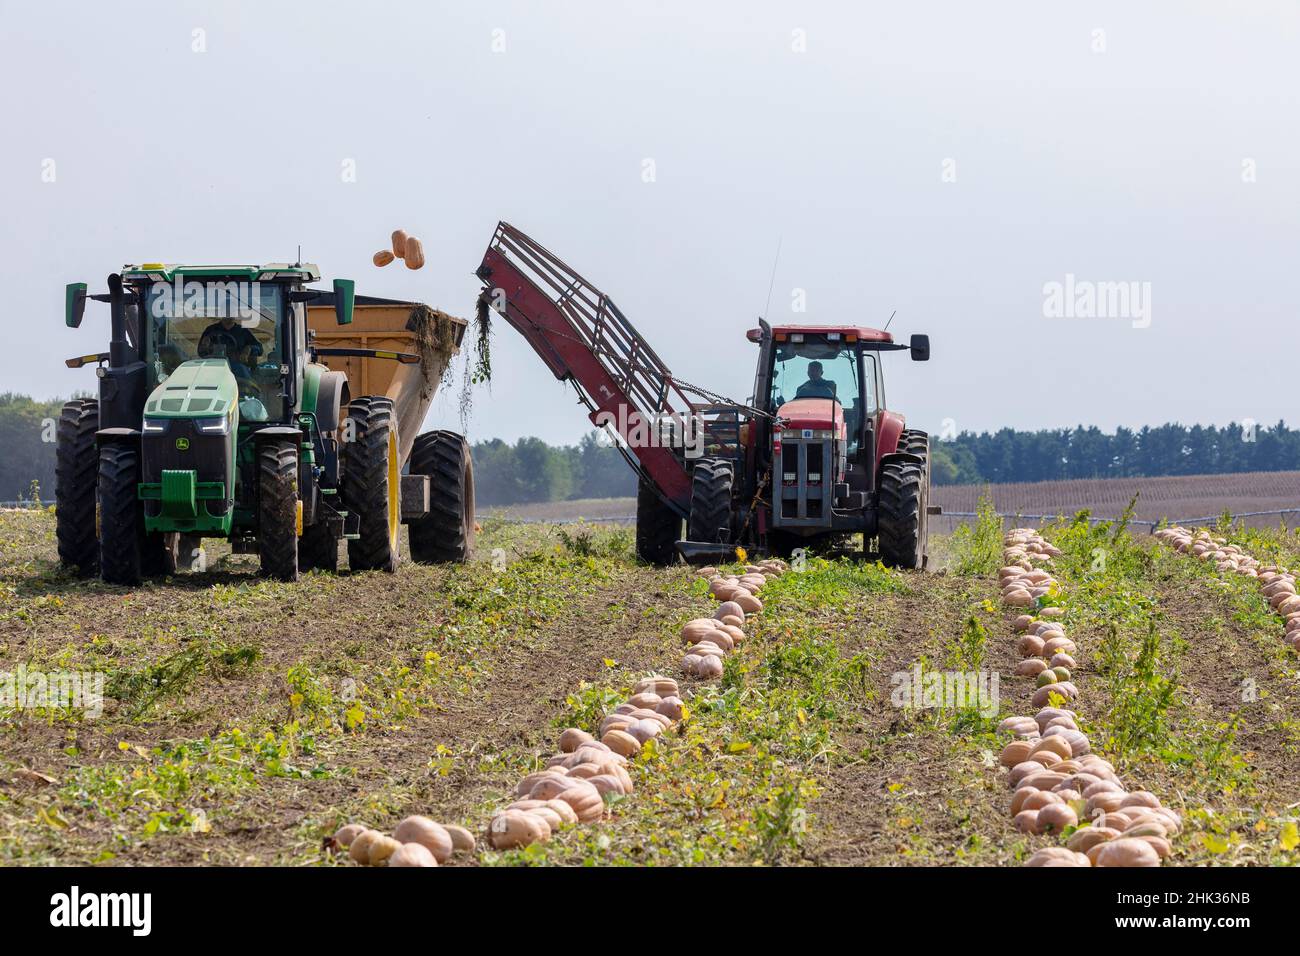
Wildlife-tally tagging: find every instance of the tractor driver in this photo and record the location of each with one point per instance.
(238, 345)
(816, 386)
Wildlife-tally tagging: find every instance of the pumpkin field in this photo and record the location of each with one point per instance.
(503, 712)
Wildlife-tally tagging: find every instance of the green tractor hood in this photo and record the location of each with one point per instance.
(191, 422)
(201, 388)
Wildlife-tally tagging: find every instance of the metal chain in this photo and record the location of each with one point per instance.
(721, 399)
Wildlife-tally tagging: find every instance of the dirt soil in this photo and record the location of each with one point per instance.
(915, 794)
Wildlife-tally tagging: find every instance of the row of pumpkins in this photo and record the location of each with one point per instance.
(1055, 778)
(709, 639)
(1277, 585)
(571, 787)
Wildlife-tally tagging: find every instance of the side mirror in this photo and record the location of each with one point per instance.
(74, 304)
(920, 348)
(345, 294)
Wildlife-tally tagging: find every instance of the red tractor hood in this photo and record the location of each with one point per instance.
(821, 414)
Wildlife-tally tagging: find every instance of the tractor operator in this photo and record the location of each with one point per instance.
(816, 386)
(238, 345)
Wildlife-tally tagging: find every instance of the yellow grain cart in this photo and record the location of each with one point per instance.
(387, 364)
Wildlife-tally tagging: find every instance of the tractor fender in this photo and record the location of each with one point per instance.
(889, 426)
(901, 456)
(280, 432)
(117, 436)
(332, 396)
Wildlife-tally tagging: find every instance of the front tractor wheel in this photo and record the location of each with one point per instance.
(710, 516)
(446, 534)
(372, 484)
(657, 528)
(278, 509)
(76, 470)
(121, 518)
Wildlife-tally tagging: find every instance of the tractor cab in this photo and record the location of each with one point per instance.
(241, 325)
(823, 380)
(237, 328)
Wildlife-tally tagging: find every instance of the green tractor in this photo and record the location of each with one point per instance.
(217, 418)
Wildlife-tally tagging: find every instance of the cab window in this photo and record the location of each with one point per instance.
(820, 368)
(235, 320)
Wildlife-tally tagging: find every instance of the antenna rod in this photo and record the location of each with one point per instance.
(891, 319)
(771, 282)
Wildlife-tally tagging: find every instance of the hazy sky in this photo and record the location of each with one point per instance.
(947, 160)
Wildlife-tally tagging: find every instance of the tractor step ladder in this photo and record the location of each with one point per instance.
(584, 338)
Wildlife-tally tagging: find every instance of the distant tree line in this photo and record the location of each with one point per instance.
(1057, 454)
(530, 470)
(27, 447)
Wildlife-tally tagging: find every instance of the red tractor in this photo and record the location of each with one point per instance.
(813, 457)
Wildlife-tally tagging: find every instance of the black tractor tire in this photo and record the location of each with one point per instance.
(277, 509)
(916, 442)
(711, 517)
(318, 549)
(372, 484)
(121, 516)
(657, 528)
(901, 528)
(446, 533)
(76, 473)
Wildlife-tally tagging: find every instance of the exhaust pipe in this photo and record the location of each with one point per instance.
(120, 352)
(122, 385)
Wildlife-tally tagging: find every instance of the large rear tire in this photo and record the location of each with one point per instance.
(372, 484)
(76, 473)
(916, 442)
(121, 518)
(711, 515)
(657, 528)
(277, 509)
(902, 528)
(446, 534)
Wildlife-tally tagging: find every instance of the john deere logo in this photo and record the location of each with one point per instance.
(182, 444)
